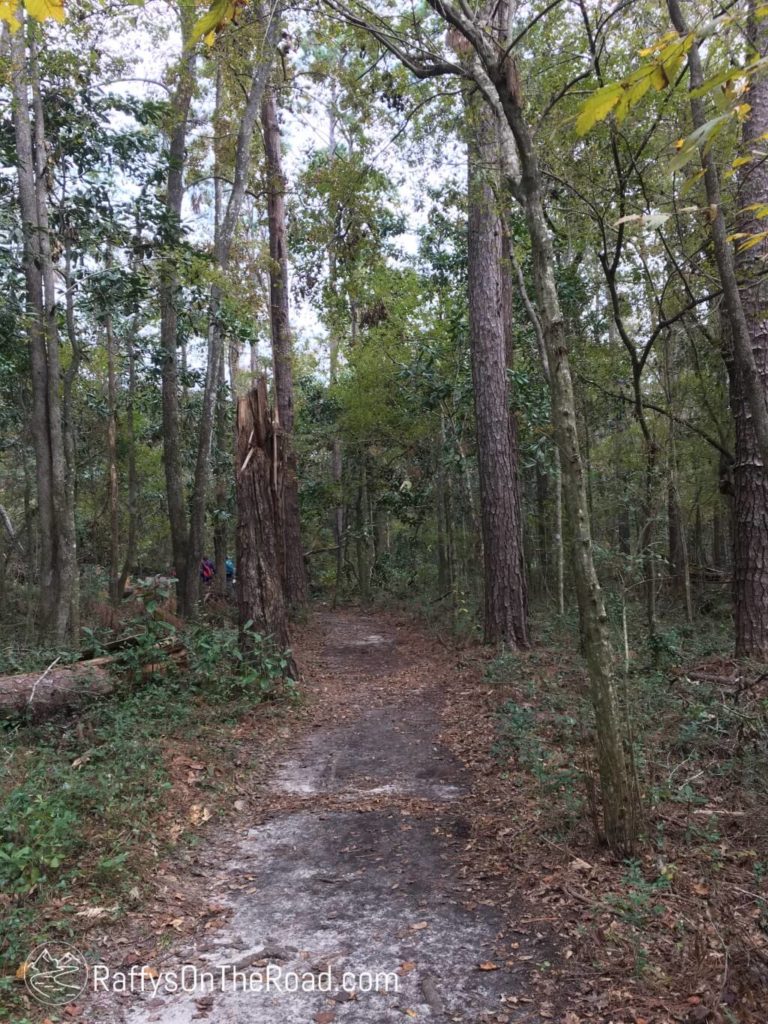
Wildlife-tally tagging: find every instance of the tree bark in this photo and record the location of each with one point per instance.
(750, 476)
(260, 597)
(294, 571)
(506, 597)
(37, 694)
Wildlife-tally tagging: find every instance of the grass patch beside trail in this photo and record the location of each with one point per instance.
(88, 801)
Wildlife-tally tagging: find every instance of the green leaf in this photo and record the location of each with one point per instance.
(691, 181)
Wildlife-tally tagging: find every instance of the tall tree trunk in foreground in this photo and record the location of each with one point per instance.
(58, 612)
(498, 78)
(168, 295)
(294, 572)
(259, 585)
(750, 476)
(506, 598)
(620, 800)
(223, 474)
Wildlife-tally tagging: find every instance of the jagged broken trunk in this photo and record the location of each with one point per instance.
(260, 597)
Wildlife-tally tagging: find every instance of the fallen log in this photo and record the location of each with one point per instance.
(64, 686)
(69, 686)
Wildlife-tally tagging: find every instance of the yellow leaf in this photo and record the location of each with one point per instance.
(659, 78)
(598, 106)
(220, 14)
(21, 971)
(753, 241)
(8, 14)
(44, 9)
(488, 965)
(659, 44)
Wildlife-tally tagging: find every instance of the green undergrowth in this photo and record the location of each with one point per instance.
(84, 796)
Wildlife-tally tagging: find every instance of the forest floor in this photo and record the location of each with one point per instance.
(419, 824)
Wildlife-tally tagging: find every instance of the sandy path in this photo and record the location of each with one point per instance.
(355, 873)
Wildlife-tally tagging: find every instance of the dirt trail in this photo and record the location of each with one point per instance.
(357, 867)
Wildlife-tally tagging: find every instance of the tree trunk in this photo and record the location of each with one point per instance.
(260, 600)
(678, 547)
(362, 544)
(133, 479)
(647, 531)
(541, 481)
(112, 480)
(444, 581)
(506, 598)
(747, 327)
(620, 798)
(750, 476)
(282, 352)
(58, 571)
(559, 534)
(168, 296)
(223, 475)
(679, 566)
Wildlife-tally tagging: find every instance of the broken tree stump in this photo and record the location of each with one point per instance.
(260, 594)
